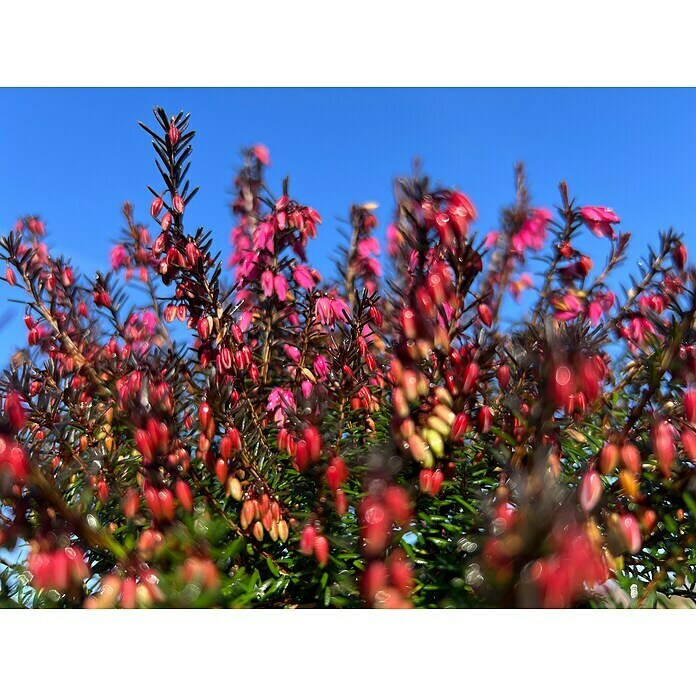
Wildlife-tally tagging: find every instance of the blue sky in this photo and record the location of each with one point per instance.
(74, 155)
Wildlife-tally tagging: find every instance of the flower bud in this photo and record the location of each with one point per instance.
(173, 134)
(398, 503)
(630, 458)
(307, 537)
(608, 458)
(503, 375)
(590, 491)
(485, 314)
(178, 204)
(156, 207)
(321, 549)
(166, 222)
(183, 494)
(663, 447)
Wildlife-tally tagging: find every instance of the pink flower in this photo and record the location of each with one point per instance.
(340, 309)
(602, 303)
(367, 246)
(262, 154)
(532, 234)
(292, 352)
(491, 239)
(305, 277)
(522, 283)
(264, 237)
(599, 220)
(637, 329)
(306, 387)
(280, 401)
(244, 321)
(267, 283)
(321, 367)
(323, 310)
(567, 307)
(119, 257)
(281, 287)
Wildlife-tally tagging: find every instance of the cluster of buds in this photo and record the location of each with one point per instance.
(152, 440)
(313, 543)
(62, 569)
(130, 591)
(336, 475)
(573, 559)
(14, 462)
(388, 584)
(261, 514)
(574, 567)
(383, 508)
(363, 266)
(307, 449)
(450, 213)
(386, 507)
(574, 383)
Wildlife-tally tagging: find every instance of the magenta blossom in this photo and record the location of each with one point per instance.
(532, 233)
(599, 220)
(567, 307)
(280, 401)
(306, 277)
(602, 303)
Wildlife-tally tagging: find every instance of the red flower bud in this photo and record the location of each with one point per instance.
(156, 207)
(10, 276)
(321, 550)
(630, 457)
(14, 408)
(631, 532)
(485, 314)
(503, 375)
(689, 443)
(436, 482)
(166, 222)
(102, 491)
(313, 439)
(221, 471)
(663, 447)
(398, 503)
(131, 503)
(183, 494)
(341, 502)
(178, 204)
(376, 525)
(459, 427)
(307, 538)
(471, 375)
(679, 256)
(376, 317)
(591, 490)
(173, 134)
(609, 457)
(205, 415)
(302, 457)
(484, 419)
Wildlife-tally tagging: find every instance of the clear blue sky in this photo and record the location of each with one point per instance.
(73, 156)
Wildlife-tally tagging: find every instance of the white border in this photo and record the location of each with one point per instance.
(356, 43)
(345, 652)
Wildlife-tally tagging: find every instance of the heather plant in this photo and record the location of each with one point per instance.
(186, 430)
